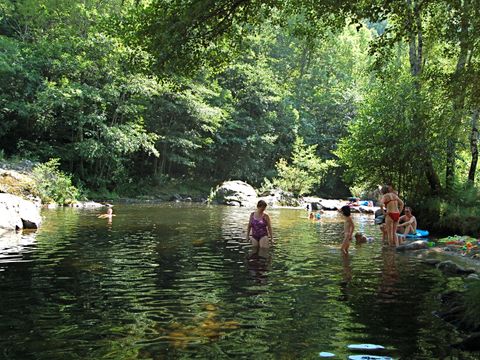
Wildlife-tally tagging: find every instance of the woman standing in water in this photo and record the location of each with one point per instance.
(393, 206)
(260, 227)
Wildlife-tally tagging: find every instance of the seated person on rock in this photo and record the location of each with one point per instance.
(407, 223)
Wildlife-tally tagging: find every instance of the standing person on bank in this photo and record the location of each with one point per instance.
(393, 206)
(259, 227)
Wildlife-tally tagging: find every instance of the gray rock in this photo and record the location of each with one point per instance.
(17, 213)
(87, 205)
(331, 204)
(431, 261)
(176, 197)
(473, 277)
(235, 193)
(449, 267)
(279, 197)
(415, 245)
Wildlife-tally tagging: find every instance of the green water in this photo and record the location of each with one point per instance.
(179, 281)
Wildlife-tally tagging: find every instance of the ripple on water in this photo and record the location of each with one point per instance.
(180, 281)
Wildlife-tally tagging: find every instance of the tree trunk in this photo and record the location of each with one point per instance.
(416, 64)
(459, 92)
(473, 148)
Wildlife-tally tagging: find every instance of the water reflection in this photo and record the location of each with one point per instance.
(176, 281)
(388, 285)
(258, 263)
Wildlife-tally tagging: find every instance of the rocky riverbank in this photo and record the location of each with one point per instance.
(459, 306)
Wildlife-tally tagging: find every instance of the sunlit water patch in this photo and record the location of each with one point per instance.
(180, 281)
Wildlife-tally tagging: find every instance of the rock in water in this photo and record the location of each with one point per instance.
(17, 213)
(449, 267)
(415, 245)
(235, 193)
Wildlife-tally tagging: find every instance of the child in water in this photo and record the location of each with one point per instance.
(348, 228)
(362, 239)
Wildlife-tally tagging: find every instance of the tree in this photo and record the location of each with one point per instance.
(304, 170)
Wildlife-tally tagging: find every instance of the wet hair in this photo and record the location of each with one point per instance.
(358, 235)
(408, 208)
(385, 189)
(261, 204)
(345, 210)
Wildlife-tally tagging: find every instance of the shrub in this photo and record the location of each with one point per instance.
(53, 185)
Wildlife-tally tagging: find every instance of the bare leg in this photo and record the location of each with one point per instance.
(394, 231)
(345, 245)
(264, 242)
(254, 242)
(389, 229)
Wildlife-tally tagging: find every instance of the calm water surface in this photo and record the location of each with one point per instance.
(179, 281)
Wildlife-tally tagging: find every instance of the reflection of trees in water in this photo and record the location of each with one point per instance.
(394, 307)
(388, 284)
(346, 276)
(258, 263)
(234, 222)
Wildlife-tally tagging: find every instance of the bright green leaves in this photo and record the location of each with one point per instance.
(304, 171)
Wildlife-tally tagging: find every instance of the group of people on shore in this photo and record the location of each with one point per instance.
(259, 228)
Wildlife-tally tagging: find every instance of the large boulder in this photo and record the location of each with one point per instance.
(278, 197)
(235, 193)
(328, 204)
(17, 213)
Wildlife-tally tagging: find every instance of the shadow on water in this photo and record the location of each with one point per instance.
(180, 281)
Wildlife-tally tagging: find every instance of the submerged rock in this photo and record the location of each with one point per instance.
(17, 213)
(473, 277)
(449, 267)
(431, 261)
(415, 245)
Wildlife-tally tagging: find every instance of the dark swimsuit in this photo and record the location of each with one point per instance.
(259, 227)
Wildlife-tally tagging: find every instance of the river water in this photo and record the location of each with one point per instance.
(180, 282)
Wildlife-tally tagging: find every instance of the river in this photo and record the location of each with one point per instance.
(179, 281)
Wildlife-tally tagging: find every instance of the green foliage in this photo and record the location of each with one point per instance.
(128, 92)
(53, 185)
(386, 142)
(304, 170)
(456, 213)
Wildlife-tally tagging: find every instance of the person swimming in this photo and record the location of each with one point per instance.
(108, 215)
